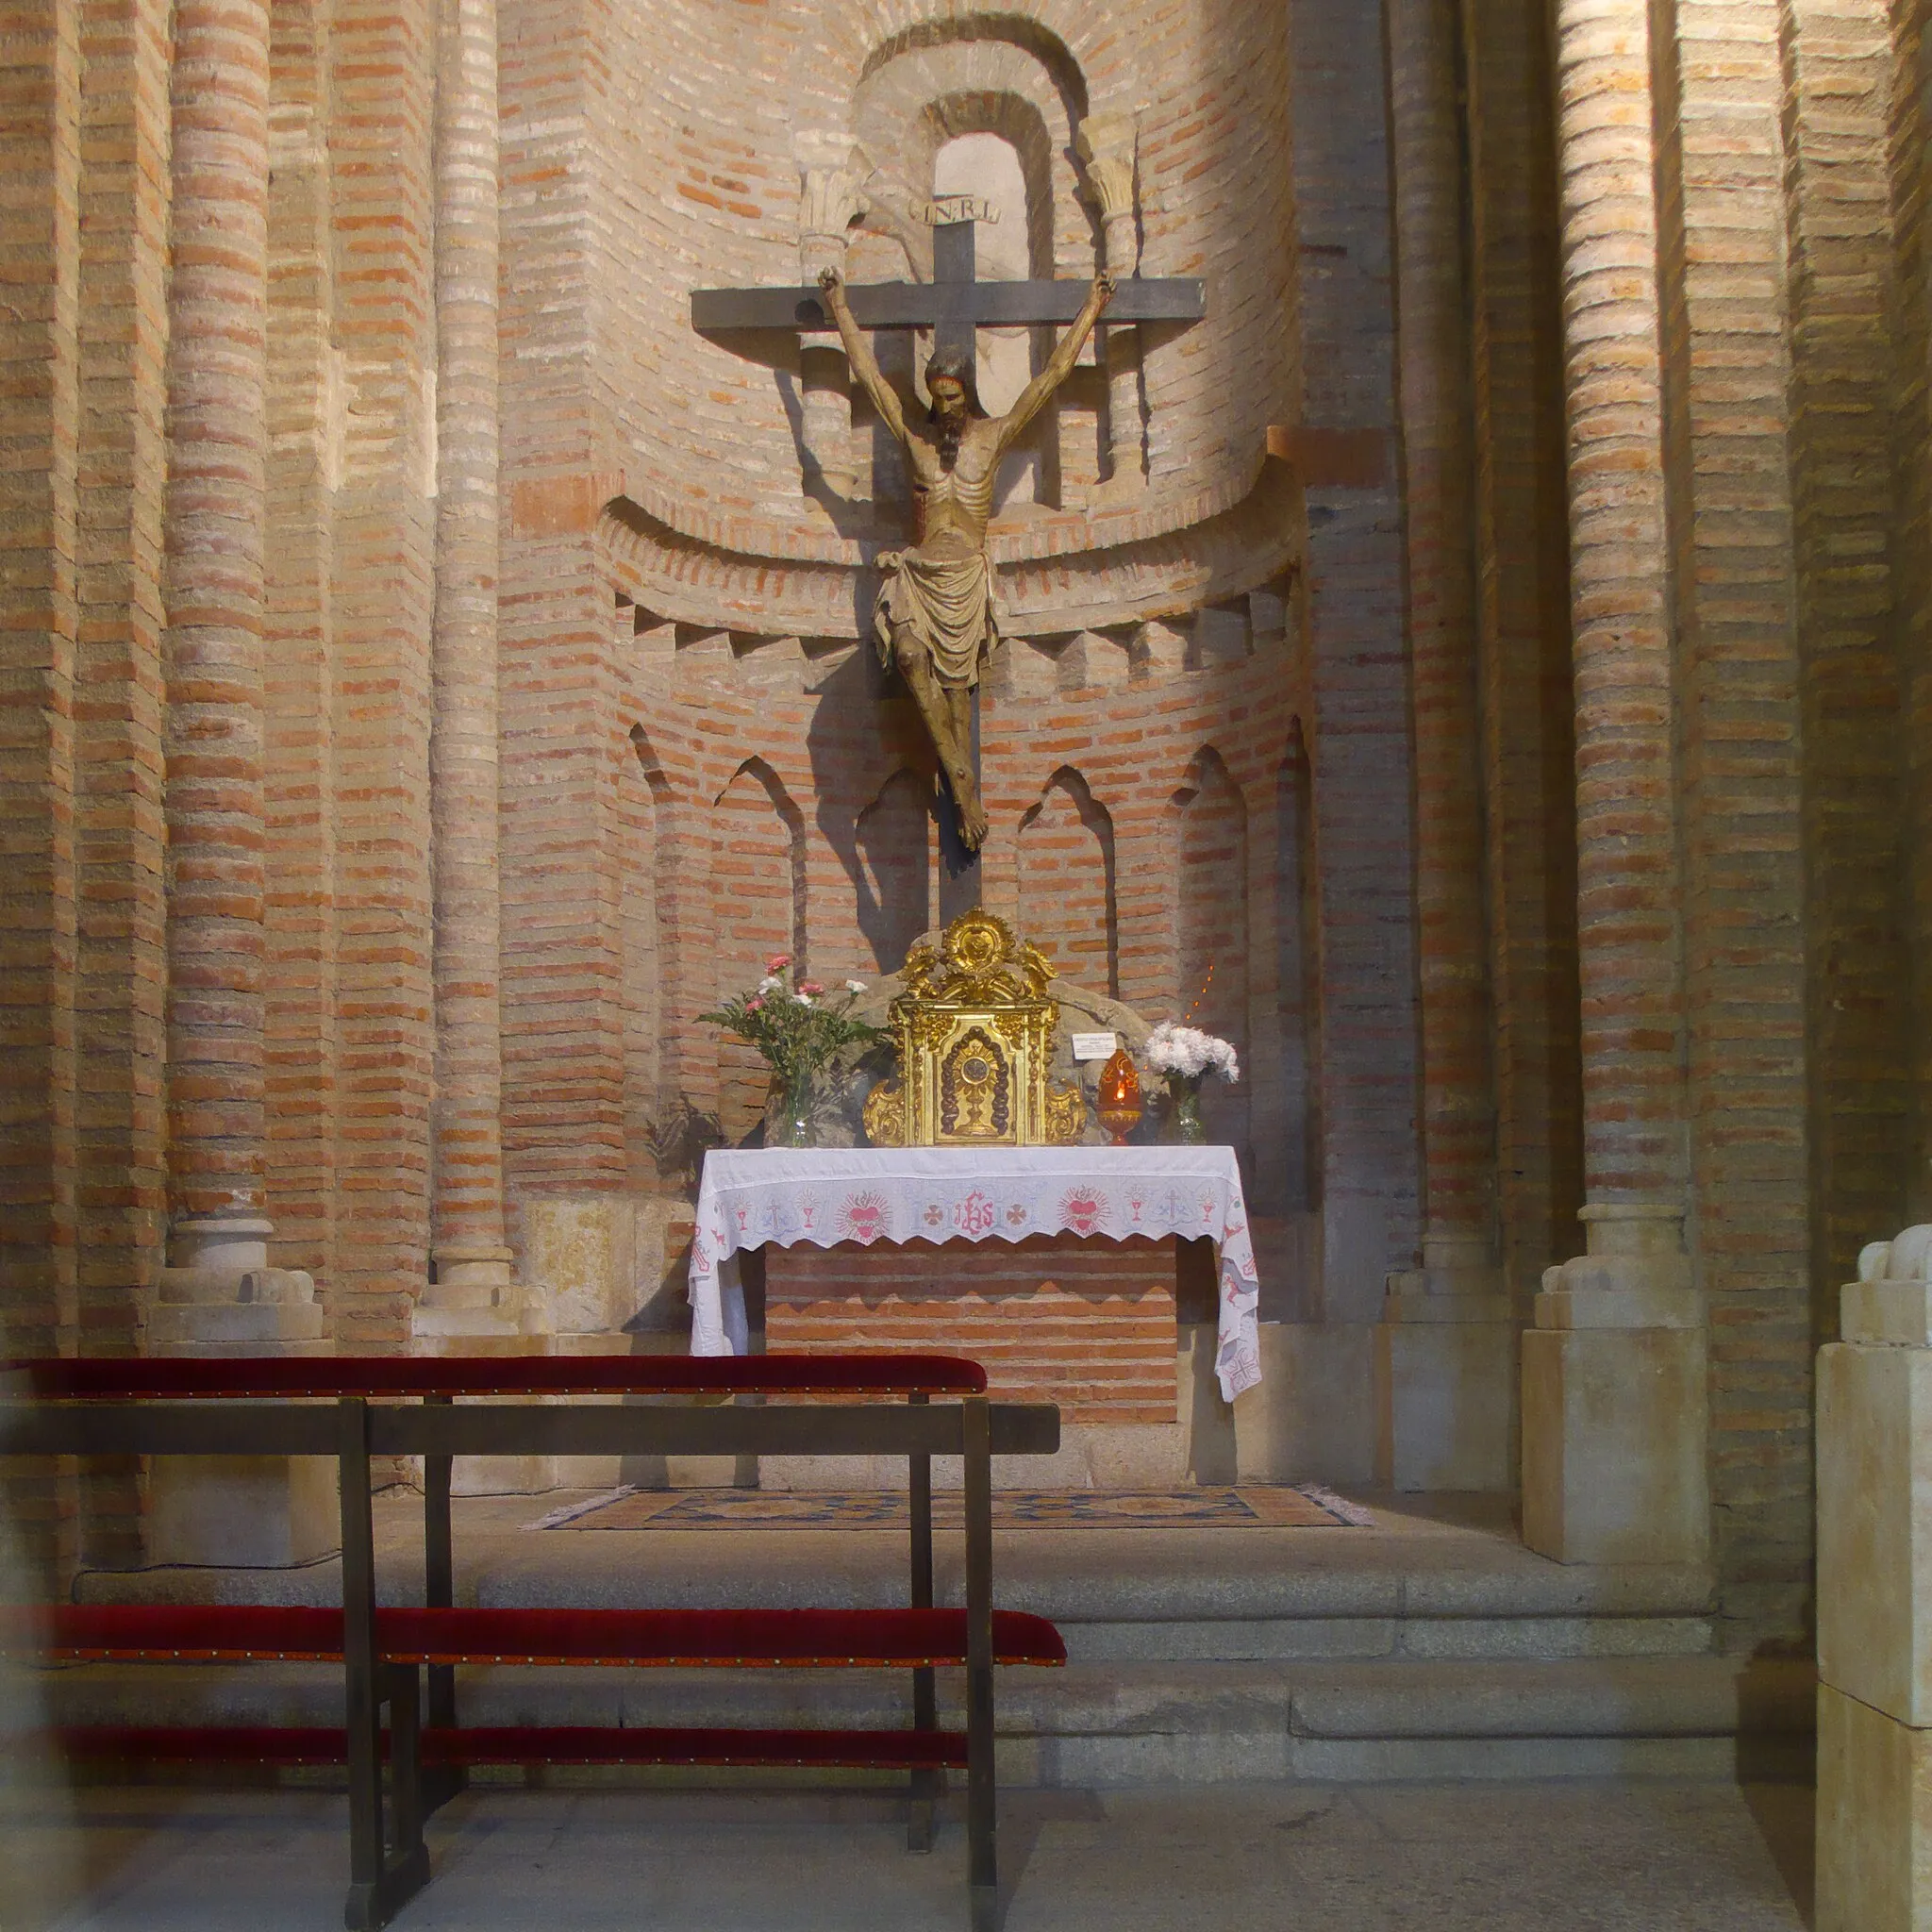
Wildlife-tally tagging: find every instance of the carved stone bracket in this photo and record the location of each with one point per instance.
(1105, 146)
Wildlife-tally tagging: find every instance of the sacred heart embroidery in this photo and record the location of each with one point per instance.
(863, 1217)
(1082, 1210)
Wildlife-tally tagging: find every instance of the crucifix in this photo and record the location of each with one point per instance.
(934, 615)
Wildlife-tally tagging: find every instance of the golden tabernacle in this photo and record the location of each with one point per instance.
(974, 1033)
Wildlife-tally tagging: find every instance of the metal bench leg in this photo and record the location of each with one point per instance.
(380, 1881)
(921, 1824)
(982, 1863)
(407, 1868)
(441, 1782)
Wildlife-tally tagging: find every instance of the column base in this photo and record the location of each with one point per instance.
(1446, 1389)
(1615, 1409)
(476, 1307)
(1874, 1818)
(241, 1511)
(1613, 1445)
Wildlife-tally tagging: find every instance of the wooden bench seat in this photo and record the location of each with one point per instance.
(745, 1640)
(172, 1633)
(523, 1745)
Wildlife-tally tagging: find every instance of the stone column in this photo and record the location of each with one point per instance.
(1874, 1576)
(218, 1292)
(830, 173)
(1105, 146)
(1614, 1390)
(474, 1295)
(1446, 1351)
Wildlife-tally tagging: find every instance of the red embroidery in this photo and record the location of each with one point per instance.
(974, 1216)
(1082, 1211)
(863, 1217)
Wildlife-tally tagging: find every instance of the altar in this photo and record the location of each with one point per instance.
(1097, 1225)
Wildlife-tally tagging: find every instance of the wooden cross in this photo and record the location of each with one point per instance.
(955, 305)
(952, 304)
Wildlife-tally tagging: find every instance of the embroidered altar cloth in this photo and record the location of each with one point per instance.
(825, 1195)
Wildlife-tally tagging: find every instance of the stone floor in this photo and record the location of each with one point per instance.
(1574, 1857)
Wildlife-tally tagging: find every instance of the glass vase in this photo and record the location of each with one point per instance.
(794, 1110)
(1185, 1128)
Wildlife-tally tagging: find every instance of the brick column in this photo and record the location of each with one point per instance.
(39, 416)
(216, 512)
(119, 846)
(218, 1291)
(474, 1294)
(1446, 1349)
(1874, 1571)
(1614, 1402)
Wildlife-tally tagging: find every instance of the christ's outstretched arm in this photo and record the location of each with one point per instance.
(1059, 365)
(885, 398)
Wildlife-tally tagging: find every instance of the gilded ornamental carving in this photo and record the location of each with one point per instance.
(973, 1033)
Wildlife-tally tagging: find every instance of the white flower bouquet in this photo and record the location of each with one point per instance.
(1185, 1056)
(1189, 1052)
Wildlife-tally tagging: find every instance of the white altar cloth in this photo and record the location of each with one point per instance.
(825, 1195)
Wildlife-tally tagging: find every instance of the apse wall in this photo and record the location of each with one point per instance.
(696, 128)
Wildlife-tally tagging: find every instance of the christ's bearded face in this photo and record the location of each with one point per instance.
(949, 415)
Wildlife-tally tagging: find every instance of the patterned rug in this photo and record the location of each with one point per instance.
(1306, 1505)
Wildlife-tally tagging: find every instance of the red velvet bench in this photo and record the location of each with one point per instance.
(162, 1407)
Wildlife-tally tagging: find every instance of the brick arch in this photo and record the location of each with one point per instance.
(1211, 928)
(1068, 901)
(757, 889)
(912, 101)
(982, 30)
(894, 872)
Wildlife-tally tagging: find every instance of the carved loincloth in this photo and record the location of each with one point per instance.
(948, 601)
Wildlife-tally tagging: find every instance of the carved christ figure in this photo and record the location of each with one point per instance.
(934, 617)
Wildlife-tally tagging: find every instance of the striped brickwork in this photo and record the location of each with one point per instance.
(382, 86)
(216, 534)
(1089, 1325)
(1629, 906)
(1728, 378)
(1458, 1103)
(1527, 719)
(40, 622)
(305, 464)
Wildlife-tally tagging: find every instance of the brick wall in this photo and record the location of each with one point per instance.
(1089, 1325)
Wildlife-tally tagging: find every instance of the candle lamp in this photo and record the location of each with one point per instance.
(1120, 1108)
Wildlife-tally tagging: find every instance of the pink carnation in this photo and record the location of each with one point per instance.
(778, 963)
(752, 1006)
(810, 986)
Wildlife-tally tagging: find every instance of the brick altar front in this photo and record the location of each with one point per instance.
(1088, 1323)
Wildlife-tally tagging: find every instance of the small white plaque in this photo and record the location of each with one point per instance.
(1095, 1046)
(944, 209)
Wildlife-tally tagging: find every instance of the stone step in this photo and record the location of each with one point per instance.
(1115, 1725)
(1189, 1595)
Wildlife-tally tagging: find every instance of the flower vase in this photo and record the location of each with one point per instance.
(1185, 1128)
(794, 1110)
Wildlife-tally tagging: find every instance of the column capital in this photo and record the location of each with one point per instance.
(831, 195)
